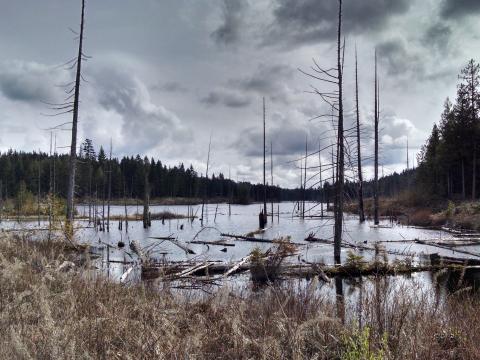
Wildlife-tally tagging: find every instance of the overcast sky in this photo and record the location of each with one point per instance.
(165, 74)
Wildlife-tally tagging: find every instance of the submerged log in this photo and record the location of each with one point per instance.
(254, 239)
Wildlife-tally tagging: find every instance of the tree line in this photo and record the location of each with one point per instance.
(448, 160)
(36, 172)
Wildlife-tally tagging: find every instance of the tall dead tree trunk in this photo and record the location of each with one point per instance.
(340, 159)
(474, 170)
(305, 179)
(320, 187)
(73, 146)
(375, 188)
(206, 179)
(38, 195)
(463, 179)
(264, 175)
(271, 174)
(146, 197)
(361, 212)
(109, 186)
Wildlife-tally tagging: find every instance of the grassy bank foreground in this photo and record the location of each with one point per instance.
(51, 311)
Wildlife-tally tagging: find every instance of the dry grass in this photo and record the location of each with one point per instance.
(49, 314)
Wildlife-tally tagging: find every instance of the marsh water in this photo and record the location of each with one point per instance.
(243, 219)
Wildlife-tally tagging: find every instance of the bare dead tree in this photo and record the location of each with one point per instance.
(264, 175)
(109, 186)
(206, 178)
(38, 194)
(361, 211)
(334, 98)
(271, 174)
(337, 237)
(305, 178)
(73, 146)
(146, 196)
(125, 204)
(375, 188)
(322, 197)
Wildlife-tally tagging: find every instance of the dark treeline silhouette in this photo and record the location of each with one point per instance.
(448, 160)
(21, 170)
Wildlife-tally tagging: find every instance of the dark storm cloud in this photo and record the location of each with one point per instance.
(308, 21)
(29, 81)
(396, 57)
(230, 30)
(227, 98)
(459, 8)
(438, 36)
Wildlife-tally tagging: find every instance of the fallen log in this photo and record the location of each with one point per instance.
(437, 259)
(237, 266)
(217, 243)
(448, 248)
(254, 239)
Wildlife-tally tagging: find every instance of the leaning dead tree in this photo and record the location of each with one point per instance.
(73, 146)
(375, 187)
(334, 98)
(361, 211)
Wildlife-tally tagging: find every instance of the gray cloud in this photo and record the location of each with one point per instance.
(459, 8)
(298, 22)
(227, 98)
(398, 59)
(171, 86)
(143, 125)
(438, 36)
(29, 81)
(268, 80)
(230, 30)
